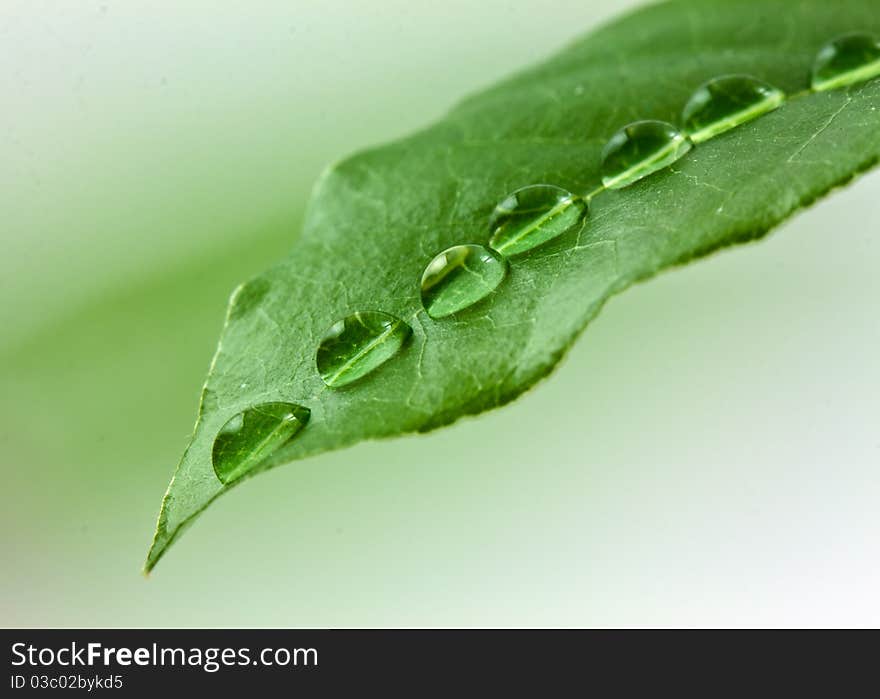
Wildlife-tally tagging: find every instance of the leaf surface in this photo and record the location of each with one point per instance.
(378, 218)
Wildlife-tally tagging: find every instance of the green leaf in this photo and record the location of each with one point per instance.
(378, 218)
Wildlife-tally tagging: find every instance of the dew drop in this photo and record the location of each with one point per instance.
(247, 296)
(252, 435)
(533, 215)
(459, 277)
(640, 149)
(359, 344)
(725, 102)
(846, 60)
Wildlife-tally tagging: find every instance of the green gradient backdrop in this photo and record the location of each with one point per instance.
(708, 454)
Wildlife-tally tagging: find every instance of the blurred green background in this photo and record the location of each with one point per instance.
(706, 455)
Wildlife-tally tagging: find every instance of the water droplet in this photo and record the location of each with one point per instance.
(848, 59)
(640, 149)
(726, 102)
(531, 216)
(251, 436)
(247, 296)
(459, 277)
(359, 344)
